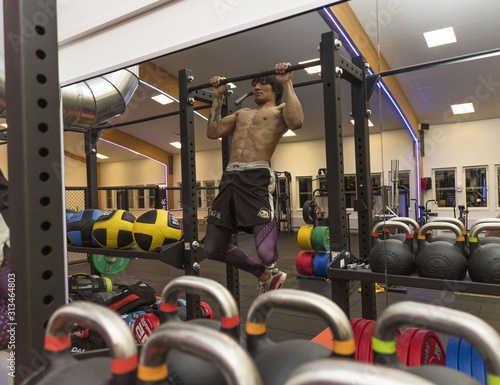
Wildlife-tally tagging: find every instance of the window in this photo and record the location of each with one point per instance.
(152, 198)
(475, 186)
(305, 189)
(444, 180)
(109, 199)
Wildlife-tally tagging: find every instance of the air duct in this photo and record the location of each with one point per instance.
(90, 102)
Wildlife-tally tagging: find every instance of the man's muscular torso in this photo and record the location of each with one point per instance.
(256, 134)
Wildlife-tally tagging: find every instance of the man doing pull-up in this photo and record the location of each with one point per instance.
(245, 198)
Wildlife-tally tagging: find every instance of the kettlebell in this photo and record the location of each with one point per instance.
(476, 331)
(414, 226)
(484, 262)
(183, 363)
(275, 361)
(394, 254)
(342, 372)
(119, 368)
(489, 236)
(441, 259)
(221, 350)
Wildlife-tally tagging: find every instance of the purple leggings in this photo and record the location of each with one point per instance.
(217, 247)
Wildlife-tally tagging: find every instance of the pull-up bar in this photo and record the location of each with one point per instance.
(256, 74)
(452, 60)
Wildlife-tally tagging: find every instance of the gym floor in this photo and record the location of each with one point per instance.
(283, 324)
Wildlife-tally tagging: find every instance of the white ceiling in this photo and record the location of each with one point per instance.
(400, 35)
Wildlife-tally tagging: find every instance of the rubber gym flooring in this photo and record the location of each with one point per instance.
(283, 324)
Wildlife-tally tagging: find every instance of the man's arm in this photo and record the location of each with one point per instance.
(217, 125)
(292, 113)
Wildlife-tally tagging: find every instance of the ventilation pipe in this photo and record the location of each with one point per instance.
(90, 102)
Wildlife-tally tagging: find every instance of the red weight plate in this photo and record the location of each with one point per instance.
(426, 348)
(403, 344)
(358, 331)
(304, 263)
(365, 353)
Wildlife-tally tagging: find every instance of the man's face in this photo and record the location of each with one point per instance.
(263, 92)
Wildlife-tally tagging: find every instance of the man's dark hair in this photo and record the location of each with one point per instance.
(271, 79)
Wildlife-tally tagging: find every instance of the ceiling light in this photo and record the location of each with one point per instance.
(101, 156)
(440, 37)
(4, 125)
(464, 108)
(289, 133)
(176, 144)
(313, 69)
(232, 85)
(370, 124)
(162, 99)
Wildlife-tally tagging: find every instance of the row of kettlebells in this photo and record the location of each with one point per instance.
(202, 351)
(450, 255)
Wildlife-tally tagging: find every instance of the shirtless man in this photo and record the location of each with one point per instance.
(245, 199)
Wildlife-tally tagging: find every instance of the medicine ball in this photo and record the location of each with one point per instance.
(156, 228)
(113, 230)
(80, 225)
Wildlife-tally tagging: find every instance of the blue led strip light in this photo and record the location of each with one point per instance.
(380, 83)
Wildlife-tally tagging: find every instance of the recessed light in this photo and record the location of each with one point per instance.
(464, 108)
(440, 37)
(289, 133)
(313, 69)
(162, 99)
(101, 156)
(4, 125)
(176, 144)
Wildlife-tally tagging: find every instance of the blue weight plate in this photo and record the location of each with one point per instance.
(452, 350)
(478, 367)
(465, 358)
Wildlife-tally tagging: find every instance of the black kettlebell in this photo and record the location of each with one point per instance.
(453, 322)
(484, 262)
(394, 254)
(230, 358)
(343, 372)
(441, 259)
(488, 237)
(117, 368)
(182, 363)
(275, 361)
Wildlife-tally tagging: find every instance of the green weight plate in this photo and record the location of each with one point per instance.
(109, 265)
(321, 238)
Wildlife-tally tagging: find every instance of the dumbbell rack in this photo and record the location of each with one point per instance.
(340, 276)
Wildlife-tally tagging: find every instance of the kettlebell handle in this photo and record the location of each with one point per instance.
(391, 224)
(342, 372)
(224, 352)
(484, 220)
(409, 221)
(479, 333)
(230, 316)
(305, 302)
(482, 227)
(455, 221)
(116, 334)
(439, 226)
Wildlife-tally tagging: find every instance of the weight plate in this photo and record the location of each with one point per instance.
(321, 238)
(452, 350)
(465, 358)
(426, 348)
(364, 352)
(320, 264)
(109, 265)
(403, 345)
(478, 367)
(304, 237)
(304, 263)
(309, 212)
(358, 331)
